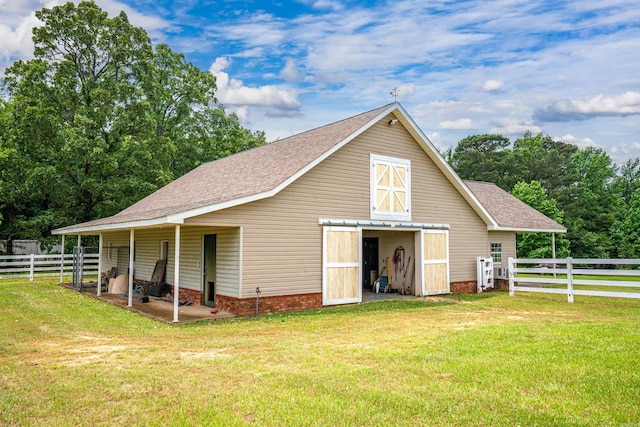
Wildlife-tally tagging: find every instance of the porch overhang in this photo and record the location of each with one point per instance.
(96, 229)
(526, 230)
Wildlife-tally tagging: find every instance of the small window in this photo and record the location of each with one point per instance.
(390, 188)
(496, 252)
(164, 249)
(109, 249)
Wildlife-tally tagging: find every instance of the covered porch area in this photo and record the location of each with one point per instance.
(191, 264)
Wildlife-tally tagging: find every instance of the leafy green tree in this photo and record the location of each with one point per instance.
(99, 119)
(626, 231)
(540, 158)
(628, 179)
(539, 245)
(482, 158)
(590, 204)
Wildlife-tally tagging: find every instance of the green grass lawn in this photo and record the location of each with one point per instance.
(67, 359)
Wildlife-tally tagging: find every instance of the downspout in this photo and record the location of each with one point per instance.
(257, 299)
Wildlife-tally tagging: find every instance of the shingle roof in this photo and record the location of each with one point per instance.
(245, 174)
(510, 212)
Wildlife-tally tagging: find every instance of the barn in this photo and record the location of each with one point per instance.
(316, 219)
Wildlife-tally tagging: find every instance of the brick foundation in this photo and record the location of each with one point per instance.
(501, 284)
(468, 287)
(274, 304)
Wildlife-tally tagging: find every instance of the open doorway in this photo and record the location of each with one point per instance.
(389, 256)
(209, 270)
(369, 262)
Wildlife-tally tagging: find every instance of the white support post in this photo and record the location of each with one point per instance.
(62, 260)
(176, 275)
(553, 253)
(79, 240)
(99, 286)
(512, 290)
(570, 279)
(131, 245)
(31, 265)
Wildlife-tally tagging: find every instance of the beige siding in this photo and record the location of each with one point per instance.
(119, 240)
(282, 245)
(147, 242)
(508, 240)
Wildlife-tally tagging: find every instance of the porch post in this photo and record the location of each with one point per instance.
(553, 252)
(176, 275)
(79, 240)
(131, 244)
(99, 287)
(62, 260)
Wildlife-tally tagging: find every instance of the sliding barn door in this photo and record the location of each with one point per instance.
(341, 251)
(435, 261)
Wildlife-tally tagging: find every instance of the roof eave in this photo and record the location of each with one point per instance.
(96, 229)
(527, 230)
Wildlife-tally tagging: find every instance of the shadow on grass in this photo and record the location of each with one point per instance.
(362, 308)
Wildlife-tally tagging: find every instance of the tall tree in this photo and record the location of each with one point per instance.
(628, 179)
(626, 230)
(99, 119)
(482, 158)
(539, 245)
(540, 158)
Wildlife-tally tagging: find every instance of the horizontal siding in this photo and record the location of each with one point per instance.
(119, 247)
(147, 253)
(282, 248)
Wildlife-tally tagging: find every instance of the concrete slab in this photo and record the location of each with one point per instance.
(157, 308)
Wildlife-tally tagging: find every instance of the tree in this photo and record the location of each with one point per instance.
(626, 231)
(539, 245)
(540, 158)
(482, 158)
(590, 204)
(99, 119)
(628, 179)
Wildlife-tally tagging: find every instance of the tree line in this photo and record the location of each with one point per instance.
(582, 188)
(100, 118)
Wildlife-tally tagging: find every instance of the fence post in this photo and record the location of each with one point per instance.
(31, 265)
(512, 290)
(569, 279)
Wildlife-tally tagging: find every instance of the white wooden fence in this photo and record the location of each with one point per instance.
(568, 272)
(13, 266)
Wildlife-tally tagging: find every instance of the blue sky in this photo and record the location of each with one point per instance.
(569, 69)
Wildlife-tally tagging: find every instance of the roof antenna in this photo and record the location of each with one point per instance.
(394, 93)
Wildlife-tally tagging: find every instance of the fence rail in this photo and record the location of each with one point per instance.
(31, 266)
(570, 272)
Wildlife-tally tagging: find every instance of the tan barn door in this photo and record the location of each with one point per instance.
(341, 249)
(435, 261)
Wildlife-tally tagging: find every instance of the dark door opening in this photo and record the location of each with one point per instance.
(209, 271)
(369, 261)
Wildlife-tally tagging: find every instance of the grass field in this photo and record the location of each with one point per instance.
(67, 359)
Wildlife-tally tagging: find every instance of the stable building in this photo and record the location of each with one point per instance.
(317, 219)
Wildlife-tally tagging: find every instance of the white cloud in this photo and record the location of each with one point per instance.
(459, 124)
(291, 71)
(580, 142)
(280, 102)
(580, 109)
(515, 129)
(327, 4)
(492, 85)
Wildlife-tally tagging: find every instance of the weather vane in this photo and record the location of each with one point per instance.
(394, 93)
